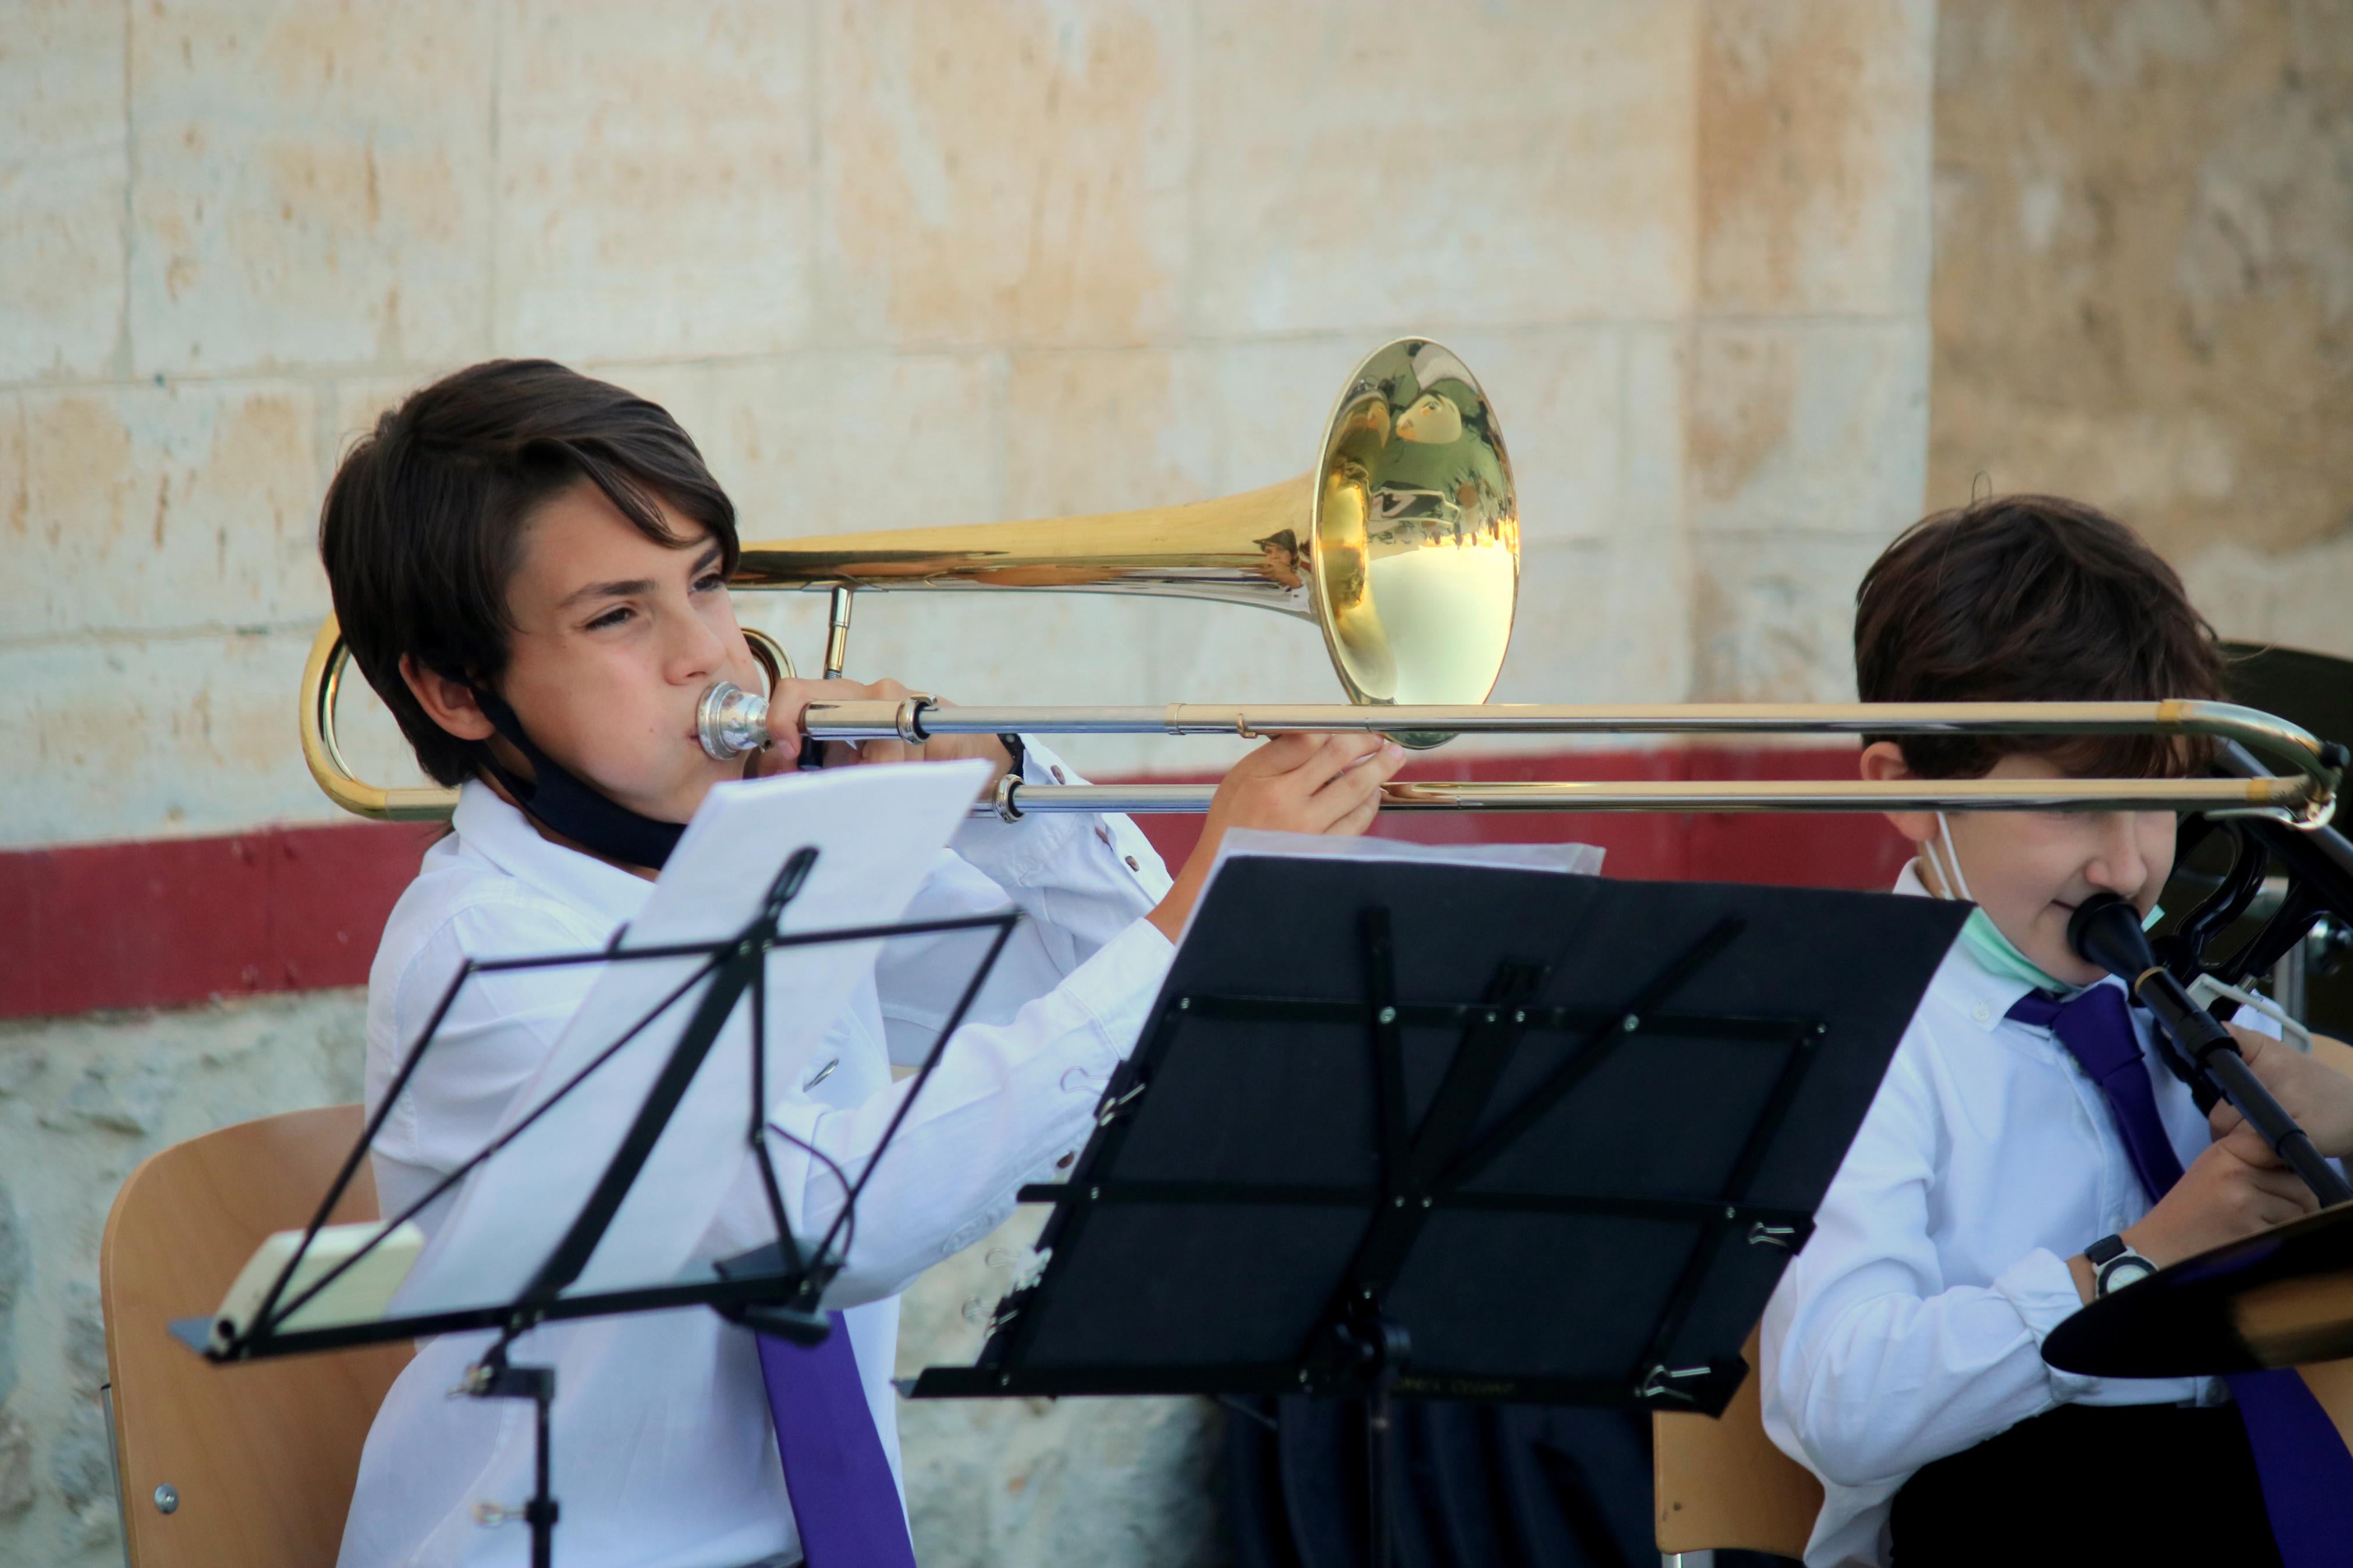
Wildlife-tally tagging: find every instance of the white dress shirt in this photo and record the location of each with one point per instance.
(664, 1453)
(1911, 1326)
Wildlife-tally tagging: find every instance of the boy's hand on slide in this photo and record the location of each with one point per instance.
(2222, 1197)
(2317, 1095)
(1293, 784)
(1304, 784)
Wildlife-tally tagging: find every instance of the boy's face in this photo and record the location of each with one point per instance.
(617, 637)
(2029, 869)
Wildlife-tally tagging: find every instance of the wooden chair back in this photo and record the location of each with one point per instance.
(260, 1456)
(1721, 1483)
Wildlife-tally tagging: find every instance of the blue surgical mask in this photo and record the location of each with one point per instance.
(1992, 952)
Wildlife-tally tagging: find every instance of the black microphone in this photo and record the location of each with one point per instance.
(2105, 930)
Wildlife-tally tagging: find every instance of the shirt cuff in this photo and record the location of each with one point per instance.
(2041, 1288)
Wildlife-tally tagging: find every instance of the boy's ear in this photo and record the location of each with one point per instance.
(448, 703)
(1882, 762)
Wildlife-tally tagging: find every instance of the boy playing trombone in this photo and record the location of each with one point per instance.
(531, 568)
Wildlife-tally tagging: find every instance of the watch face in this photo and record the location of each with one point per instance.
(2125, 1271)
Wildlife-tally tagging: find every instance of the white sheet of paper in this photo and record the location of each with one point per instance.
(878, 832)
(1584, 860)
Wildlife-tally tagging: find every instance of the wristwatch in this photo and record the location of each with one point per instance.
(2115, 1265)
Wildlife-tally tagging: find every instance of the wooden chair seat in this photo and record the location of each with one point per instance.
(262, 1456)
(1721, 1483)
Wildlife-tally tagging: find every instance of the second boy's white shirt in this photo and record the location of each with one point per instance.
(664, 1453)
(1911, 1326)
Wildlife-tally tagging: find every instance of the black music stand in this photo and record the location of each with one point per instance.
(774, 1288)
(1464, 1133)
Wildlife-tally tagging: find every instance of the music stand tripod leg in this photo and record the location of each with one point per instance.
(493, 1378)
(1387, 1348)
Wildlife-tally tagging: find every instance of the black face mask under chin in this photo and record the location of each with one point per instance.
(562, 804)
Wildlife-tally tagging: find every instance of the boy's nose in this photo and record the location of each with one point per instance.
(696, 649)
(2119, 866)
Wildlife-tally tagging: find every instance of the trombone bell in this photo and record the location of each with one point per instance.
(1402, 542)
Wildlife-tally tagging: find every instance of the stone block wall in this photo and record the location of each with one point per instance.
(2144, 286)
(896, 264)
(82, 1103)
(892, 263)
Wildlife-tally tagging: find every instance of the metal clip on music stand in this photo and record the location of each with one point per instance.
(773, 1289)
(1466, 1134)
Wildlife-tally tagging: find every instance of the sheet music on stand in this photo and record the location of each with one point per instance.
(588, 1198)
(1462, 1132)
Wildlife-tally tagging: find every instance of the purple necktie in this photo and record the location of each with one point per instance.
(2302, 1460)
(844, 1500)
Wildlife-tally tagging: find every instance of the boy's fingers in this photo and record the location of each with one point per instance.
(791, 697)
(2287, 1196)
(1355, 763)
(2299, 1192)
(1355, 797)
(881, 751)
(1280, 755)
(2247, 1145)
(1331, 757)
(1359, 818)
(2278, 1210)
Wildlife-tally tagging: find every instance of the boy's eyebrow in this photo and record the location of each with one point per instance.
(624, 587)
(621, 589)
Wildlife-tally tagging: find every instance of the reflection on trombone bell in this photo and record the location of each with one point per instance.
(1401, 544)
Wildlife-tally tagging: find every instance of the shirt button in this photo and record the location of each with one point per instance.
(1134, 864)
(1103, 833)
(1056, 769)
(1981, 1012)
(1066, 1161)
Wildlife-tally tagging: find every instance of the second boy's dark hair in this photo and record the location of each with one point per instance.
(2031, 598)
(423, 523)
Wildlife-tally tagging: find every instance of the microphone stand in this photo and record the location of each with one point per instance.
(2106, 931)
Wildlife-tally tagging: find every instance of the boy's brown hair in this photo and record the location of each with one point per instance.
(424, 521)
(2031, 598)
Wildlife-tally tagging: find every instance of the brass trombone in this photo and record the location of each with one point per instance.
(1401, 544)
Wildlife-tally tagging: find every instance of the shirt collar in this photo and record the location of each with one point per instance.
(504, 837)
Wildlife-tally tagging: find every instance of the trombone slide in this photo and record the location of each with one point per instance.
(2275, 796)
(2304, 797)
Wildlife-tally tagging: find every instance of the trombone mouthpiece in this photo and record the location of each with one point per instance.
(731, 722)
(2105, 929)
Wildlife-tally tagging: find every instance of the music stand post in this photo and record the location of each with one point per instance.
(775, 1288)
(1429, 1131)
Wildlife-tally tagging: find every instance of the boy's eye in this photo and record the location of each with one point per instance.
(612, 617)
(710, 581)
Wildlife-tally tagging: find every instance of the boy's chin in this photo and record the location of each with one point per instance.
(2065, 965)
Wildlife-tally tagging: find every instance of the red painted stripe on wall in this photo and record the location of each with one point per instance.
(1790, 849)
(165, 922)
